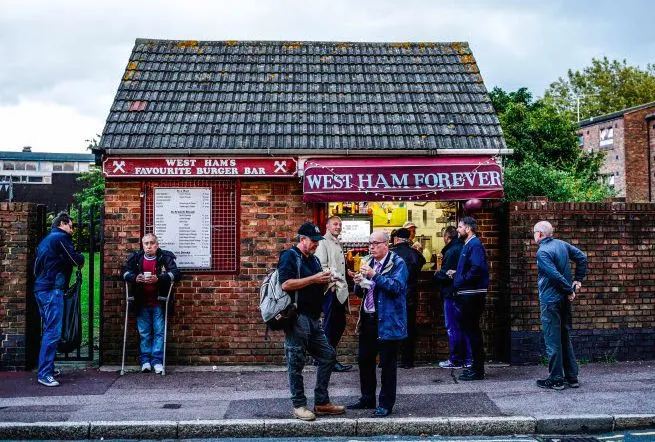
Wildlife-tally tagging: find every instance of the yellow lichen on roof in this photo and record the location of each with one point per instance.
(132, 65)
(343, 46)
(292, 45)
(187, 44)
(326, 59)
(460, 48)
(231, 43)
(401, 45)
(128, 75)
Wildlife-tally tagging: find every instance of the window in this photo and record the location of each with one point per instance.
(9, 165)
(35, 179)
(223, 223)
(63, 167)
(580, 140)
(610, 180)
(607, 137)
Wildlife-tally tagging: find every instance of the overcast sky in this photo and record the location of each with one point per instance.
(61, 61)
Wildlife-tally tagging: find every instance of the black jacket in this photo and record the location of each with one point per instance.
(165, 269)
(414, 261)
(450, 254)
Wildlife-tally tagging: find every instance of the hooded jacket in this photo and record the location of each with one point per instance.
(55, 258)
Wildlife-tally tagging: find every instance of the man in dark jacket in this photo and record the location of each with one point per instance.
(55, 258)
(557, 290)
(471, 280)
(460, 349)
(382, 282)
(414, 261)
(151, 272)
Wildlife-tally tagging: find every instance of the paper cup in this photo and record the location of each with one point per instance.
(147, 274)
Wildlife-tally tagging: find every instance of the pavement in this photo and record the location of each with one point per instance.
(246, 401)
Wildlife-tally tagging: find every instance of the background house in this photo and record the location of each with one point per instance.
(628, 139)
(42, 177)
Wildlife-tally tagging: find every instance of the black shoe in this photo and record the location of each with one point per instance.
(339, 367)
(381, 412)
(550, 384)
(471, 376)
(572, 383)
(361, 405)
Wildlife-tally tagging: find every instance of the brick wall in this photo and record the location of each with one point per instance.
(614, 315)
(18, 311)
(638, 176)
(217, 319)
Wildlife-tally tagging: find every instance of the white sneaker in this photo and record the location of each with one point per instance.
(159, 369)
(49, 381)
(146, 368)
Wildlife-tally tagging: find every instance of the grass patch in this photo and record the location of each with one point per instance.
(85, 298)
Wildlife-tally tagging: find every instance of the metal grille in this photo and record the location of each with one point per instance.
(224, 219)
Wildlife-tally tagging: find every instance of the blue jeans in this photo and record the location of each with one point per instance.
(306, 336)
(556, 323)
(51, 308)
(460, 347)
(150, 322)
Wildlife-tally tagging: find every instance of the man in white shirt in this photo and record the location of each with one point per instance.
(330, 253)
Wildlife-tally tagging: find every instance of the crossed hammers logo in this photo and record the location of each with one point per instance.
(280, 166)
(118, 166)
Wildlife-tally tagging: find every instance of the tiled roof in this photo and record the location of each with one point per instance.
(47, 156)
(614, 115)
(246, 96)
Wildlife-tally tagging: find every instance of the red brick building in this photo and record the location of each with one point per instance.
(628, 139)
(224, 148)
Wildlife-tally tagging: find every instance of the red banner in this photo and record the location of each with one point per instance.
(198, 167)
(409, 178)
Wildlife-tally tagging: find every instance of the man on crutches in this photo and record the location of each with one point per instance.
(151, 272)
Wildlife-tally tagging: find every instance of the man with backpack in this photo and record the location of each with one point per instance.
(301, 273)
(55, 258)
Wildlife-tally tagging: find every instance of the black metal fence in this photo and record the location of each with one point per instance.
(88, 238)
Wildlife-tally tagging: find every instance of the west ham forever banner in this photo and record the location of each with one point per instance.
(407, 178)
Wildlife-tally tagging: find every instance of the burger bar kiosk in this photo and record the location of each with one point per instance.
(223, 148)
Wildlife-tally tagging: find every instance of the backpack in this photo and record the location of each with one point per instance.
(278, 310)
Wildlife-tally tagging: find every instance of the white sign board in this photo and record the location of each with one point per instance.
(355, 230)
(182, 223)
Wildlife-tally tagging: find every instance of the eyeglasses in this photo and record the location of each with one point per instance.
(375, 243)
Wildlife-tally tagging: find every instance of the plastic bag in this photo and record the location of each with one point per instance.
(71, 327)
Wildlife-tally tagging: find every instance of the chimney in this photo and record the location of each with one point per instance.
(27, 149)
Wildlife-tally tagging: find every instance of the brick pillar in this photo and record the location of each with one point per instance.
(19, 317)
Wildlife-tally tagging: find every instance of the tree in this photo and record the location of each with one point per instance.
(547, 159)
(604, 87)
(92, 195)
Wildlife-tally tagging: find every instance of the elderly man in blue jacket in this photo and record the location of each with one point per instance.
(470, 283)
(557, 290)
(55, 259)
(382, 283)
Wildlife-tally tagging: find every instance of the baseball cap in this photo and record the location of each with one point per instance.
(403, 233)
(409, 224)
(311, 231)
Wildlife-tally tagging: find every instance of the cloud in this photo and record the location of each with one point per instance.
(69, 55)
(47, 127)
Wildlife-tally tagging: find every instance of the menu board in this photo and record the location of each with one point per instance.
(182, 223)
(355, 230)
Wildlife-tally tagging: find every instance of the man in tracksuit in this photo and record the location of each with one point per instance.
(55, 259)
(557, 290)
(470, 283)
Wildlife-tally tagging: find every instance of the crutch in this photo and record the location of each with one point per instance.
(167, 300)
(128, 299)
